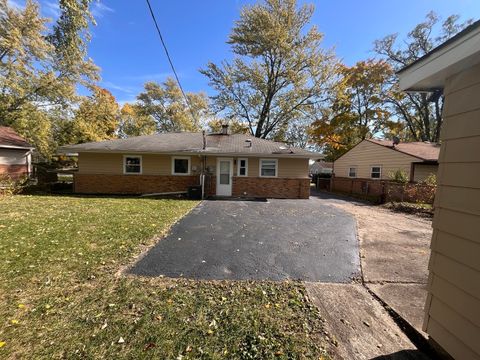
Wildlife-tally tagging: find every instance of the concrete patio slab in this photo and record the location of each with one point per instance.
(407, 300)
(395, 249)
(358, 325)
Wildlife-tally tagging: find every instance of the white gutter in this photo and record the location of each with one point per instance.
(312, 156)
(16, 147)
(430, 73)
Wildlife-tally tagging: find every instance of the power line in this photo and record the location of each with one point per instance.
(170, 61)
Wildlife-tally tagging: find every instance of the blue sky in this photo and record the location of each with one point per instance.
(126, 46)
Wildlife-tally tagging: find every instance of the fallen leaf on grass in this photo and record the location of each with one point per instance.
(2, 344)
(149, 346)
(14, 321)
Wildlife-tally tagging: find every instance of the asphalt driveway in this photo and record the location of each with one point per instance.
(274, 240)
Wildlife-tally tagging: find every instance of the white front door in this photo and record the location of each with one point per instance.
(224, 176)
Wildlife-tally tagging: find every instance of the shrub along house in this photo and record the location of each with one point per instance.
(378, 159)
(224, 165)
(15, 154)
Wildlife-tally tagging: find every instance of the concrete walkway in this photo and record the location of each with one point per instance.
(358, 326)
(394, 252)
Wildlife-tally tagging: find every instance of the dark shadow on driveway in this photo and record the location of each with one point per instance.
(274, 240)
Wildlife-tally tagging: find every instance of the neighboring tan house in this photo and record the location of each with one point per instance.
(321, 167)
(15, 154)
(224, 165)
(452, 314)
(379, 159)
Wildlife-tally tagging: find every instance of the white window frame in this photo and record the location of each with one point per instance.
(182, 158)
(246, 166)
(260, 168)
(125, 164)
(371, 171)
(349, 171)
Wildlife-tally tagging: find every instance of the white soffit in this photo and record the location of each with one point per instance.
(430, 72)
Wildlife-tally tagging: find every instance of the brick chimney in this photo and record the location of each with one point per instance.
(225, 129)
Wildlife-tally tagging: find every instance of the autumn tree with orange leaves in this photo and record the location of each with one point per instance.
(357, 108)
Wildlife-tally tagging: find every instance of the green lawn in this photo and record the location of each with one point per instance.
(62, 294)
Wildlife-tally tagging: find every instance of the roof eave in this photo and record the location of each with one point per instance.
(430, 72)
(68, 150)
(16, 147)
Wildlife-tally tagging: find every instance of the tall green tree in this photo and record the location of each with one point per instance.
(96, 119)
(165, 104)
(421, 112)
(41, 67)
(279, 71)
(134, 123)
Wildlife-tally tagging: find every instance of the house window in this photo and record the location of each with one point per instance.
(352, 172)
(132, 164)
(268, 167)
(242, 167)
(181, 165)
(376, 172)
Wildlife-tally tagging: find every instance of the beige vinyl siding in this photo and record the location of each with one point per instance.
(253, 167)
(287, 168)
(367, 154)
(421, 171)
(112, 163)
(158, 164)
(100, 163)
(293, 168)
(452, 316)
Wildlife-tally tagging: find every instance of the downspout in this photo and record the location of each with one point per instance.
(204, 165)
(28, 160)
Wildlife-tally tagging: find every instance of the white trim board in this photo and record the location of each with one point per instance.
(431, 72)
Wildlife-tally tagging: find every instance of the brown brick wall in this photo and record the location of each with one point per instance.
(13, 170)
(282, 188)
(131, 184)
(384, 190)
(142, 184)
(358, 186)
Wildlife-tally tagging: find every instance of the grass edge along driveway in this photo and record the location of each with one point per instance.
(59, 297)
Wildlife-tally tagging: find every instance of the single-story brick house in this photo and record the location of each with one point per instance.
(378, 159)
(223, 164)
(15, 154)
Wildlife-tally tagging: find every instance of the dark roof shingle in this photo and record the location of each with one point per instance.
(423, 150)
(188, 142)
